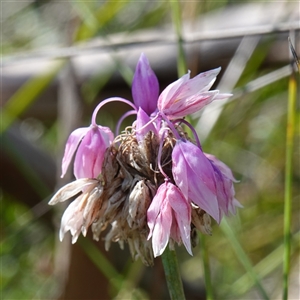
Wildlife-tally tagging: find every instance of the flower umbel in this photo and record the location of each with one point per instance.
(152, 185)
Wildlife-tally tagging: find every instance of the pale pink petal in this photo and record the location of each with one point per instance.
(182, 213)
(191, 105)
(159, 219)
(186, 96)
(71, 146)
(171, 92)
(203, 81)
(162, 228)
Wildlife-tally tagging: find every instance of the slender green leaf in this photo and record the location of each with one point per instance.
(290, 132)
(176, 16)
(242, 257)
(104, 14)
(206, 268)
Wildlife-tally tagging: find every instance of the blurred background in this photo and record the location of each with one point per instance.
(60, 59)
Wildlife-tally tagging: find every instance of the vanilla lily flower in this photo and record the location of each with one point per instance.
(151, 185)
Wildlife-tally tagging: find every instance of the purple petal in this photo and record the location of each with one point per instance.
(198, 176)
(145, 86)
(225, 188)
(141, 120)
(225, 170)
(71, 146)
(90, 153)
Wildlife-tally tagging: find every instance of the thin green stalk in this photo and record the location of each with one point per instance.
(173, 278)
(265, 267)
(207, 277)
(288, 182)
(176, 15)
(242, 257)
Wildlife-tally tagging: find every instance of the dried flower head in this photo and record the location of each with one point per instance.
(151, 185)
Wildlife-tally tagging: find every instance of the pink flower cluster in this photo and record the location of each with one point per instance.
(196, 179)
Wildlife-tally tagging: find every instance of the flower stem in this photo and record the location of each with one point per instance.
(102, 103)
(176, 16)
(173, 278)
(288, 182)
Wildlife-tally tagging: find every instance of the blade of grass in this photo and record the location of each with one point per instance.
(290, 130)
(26, 95)
(103, 15)
(263, 268)
(242, 257)
(169, 260)
(176, 16)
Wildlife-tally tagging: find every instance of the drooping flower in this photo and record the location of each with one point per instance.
(194, 175)
(225, 189)
(169, 215)
(90, 143)
(186, 96)
(82, 212)
(145, 87)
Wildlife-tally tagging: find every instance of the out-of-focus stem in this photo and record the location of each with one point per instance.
(290, 129)
(206, 268)
(176, 15)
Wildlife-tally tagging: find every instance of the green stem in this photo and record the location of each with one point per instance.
(206, 268)
(288, 182)
(173, 278)
(176, 15)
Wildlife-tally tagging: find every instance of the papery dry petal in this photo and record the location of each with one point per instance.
(138, 203)
(72, 189)
(201, 220)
